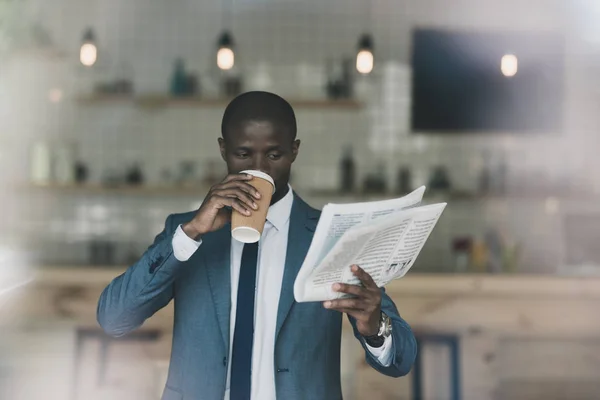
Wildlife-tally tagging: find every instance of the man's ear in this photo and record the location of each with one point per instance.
(295, 148)
(222, 148)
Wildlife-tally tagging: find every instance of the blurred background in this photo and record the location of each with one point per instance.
(109, 117)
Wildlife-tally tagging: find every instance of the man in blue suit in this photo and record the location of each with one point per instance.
(238, 334)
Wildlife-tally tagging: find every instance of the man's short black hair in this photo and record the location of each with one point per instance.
(259, 106)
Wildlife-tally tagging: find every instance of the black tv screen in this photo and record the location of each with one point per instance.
(487, 82)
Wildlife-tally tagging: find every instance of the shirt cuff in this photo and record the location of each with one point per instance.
(383, 354)
(183, 246)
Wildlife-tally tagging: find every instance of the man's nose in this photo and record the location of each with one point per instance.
(261, 163)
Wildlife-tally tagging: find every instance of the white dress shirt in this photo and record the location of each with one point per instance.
(269, 277)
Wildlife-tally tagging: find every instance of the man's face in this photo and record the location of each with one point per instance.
(263, 146)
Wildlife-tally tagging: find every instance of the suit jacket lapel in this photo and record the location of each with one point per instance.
(218, 266)
(303, 222)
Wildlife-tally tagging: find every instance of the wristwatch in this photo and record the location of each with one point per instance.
(385, 330)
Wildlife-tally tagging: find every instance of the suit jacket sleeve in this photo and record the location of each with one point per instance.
(404, 348)
(146, 287)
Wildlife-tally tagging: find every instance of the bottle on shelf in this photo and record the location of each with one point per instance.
(404, 180)
(347, 171)
(179, 79)
(41, 164)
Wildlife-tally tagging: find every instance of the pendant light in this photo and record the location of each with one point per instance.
(509, 65)
(364, 57)
(225, 43)
(225, 51)
(88, 54)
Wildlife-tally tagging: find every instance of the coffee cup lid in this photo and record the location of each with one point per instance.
(260, 174)
(245, 234)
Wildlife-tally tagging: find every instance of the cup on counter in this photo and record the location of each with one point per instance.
(247, 229)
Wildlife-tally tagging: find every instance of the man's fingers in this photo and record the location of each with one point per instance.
(353, 304)
(233, 203)
(356, 314)
(350, 289)
(239, 181)
(240, 195)
(242, 186)
(246, 187)
(241, 207)
(363, 276)
(232, 177)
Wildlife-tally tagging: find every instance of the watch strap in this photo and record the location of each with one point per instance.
(378, 339)
(374, 340)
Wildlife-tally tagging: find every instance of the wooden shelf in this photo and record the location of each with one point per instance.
(170, 101)
(47, 53)
(517, 306)
(142, 190)
(509, 285)
(455, 196)
(331, 196)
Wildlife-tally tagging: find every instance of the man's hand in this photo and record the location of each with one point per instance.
(234, 192)
(365, 306)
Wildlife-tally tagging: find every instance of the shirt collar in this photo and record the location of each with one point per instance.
(279, 213)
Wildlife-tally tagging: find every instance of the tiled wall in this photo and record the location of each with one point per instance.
(290, 42)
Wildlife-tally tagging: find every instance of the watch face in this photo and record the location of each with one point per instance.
(386, 325)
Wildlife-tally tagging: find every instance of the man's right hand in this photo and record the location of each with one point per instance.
(234, 192)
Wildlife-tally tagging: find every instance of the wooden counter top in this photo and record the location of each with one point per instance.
(413, 284)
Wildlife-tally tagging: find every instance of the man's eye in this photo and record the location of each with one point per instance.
(242, 155)
(274, 156)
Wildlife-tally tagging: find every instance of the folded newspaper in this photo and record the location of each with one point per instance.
(383, 237)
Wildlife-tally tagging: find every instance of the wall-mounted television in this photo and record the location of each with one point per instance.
(487, 82)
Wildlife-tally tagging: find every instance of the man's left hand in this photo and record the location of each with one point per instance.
(364, 306)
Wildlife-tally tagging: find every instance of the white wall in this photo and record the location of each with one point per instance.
(293, 40)
(142, 38)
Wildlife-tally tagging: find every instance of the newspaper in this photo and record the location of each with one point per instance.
(383, 237)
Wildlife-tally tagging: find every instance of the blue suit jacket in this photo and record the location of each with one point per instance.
(307, 340)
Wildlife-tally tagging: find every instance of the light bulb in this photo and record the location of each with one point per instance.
(509, 65)
(364, 61)
(88, 54)
(225, 58)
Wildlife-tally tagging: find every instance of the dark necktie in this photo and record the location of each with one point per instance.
(243, 335)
